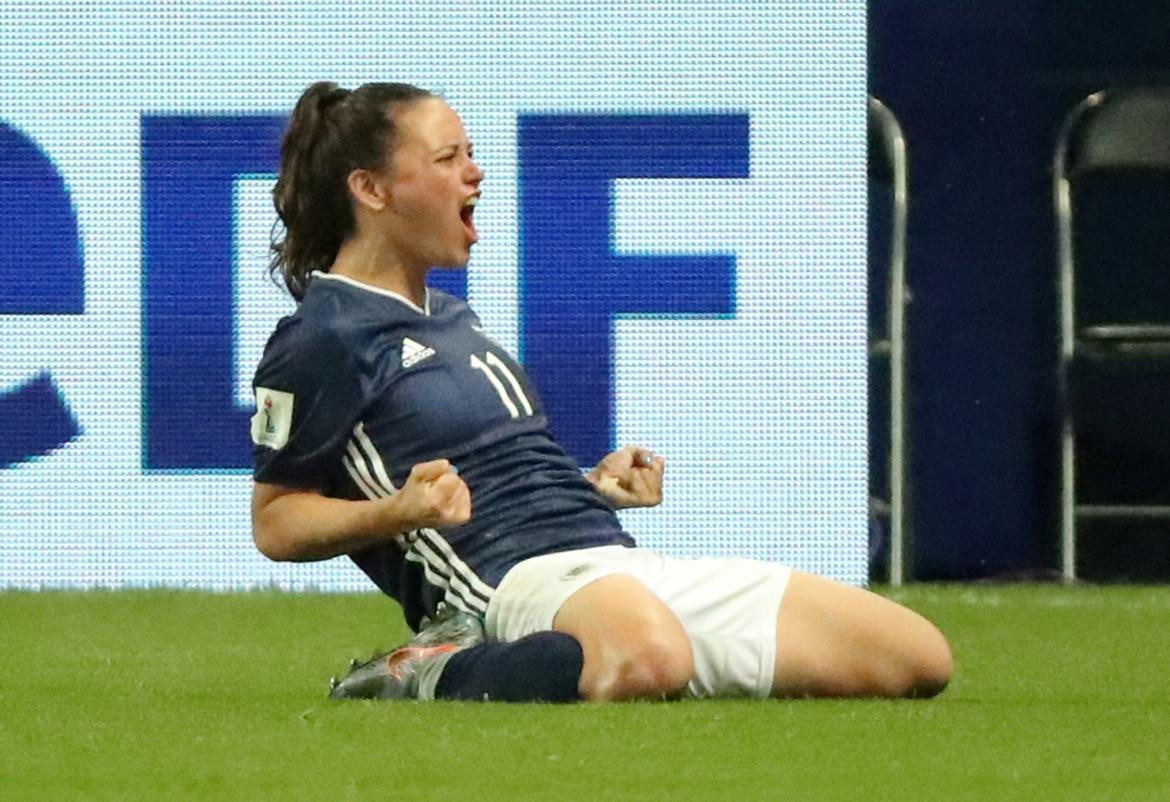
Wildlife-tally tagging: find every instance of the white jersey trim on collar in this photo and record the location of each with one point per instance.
(371, 288)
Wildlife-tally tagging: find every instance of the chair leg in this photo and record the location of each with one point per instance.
(1068, 502)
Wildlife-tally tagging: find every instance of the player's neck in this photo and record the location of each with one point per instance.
(372, 263)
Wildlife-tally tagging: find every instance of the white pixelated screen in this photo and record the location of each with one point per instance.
(672, 241)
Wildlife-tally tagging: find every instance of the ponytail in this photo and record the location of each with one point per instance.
(332, 132)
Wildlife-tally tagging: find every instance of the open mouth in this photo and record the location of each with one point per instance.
(466, 213)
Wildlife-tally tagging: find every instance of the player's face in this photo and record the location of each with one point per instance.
(434, 185)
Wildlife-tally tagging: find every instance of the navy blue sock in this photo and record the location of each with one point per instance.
(543, 667)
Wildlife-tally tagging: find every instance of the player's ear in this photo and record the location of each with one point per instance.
(369, 189)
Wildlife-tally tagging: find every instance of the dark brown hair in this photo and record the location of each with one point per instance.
(332, 132)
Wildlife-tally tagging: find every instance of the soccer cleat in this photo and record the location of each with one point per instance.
(408, 672)
(412, 670)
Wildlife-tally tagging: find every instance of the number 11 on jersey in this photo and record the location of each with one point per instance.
(493, 361)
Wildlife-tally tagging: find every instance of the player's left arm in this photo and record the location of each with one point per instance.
(629, 477)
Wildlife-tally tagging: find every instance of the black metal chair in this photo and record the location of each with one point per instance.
(1111, 190)
(888, 296)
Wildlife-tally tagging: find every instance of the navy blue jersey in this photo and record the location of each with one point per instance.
(360, 384)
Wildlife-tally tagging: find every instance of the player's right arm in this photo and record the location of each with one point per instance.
(291, 524)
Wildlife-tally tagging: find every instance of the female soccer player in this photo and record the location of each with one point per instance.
(389, 428)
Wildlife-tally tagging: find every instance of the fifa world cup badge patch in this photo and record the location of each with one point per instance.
(273, 419)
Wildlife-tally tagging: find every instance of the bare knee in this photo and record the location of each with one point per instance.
(930, 668)
(918, 671)
(659, 668)
(634, 646)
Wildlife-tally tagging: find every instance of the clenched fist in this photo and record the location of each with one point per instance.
(435, 496)
(629, 477)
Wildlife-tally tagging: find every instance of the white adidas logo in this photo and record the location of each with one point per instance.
(413, 353)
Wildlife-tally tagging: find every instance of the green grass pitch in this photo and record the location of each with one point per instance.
(1059, 694)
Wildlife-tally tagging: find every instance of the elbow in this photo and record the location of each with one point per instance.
(275, 525)
(271, 545)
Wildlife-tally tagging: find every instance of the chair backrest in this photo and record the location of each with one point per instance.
(1117, 129)
(1112, 182)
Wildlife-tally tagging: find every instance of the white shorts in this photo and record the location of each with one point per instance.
(727, 607)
